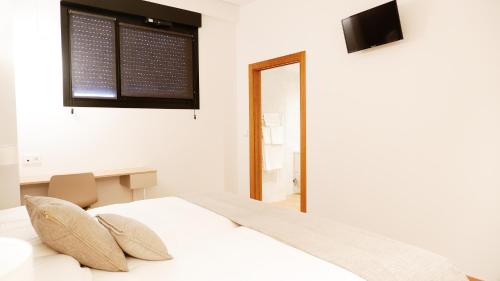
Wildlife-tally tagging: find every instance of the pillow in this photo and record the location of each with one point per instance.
(68, 229)
(135, 238)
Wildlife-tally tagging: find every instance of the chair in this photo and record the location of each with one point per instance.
(80, 189)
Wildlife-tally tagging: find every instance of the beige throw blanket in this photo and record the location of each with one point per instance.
(370, 256)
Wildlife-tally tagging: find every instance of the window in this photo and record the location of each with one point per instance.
(93, 56)
(129, 53)
(164, 71)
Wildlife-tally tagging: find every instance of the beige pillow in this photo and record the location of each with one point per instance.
(135, 238)
(68, 229)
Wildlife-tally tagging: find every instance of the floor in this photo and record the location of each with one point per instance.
(291, 202)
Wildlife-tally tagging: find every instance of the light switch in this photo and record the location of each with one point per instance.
(32, 160)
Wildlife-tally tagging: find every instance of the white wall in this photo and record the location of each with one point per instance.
(281, 94)
(402, 139)
(9, 182)
(189, 155)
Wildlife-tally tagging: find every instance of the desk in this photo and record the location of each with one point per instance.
(113, 186)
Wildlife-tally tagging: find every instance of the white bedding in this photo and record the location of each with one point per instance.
(205, 246)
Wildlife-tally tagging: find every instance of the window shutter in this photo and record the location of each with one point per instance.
(155, 63)
(93, 56)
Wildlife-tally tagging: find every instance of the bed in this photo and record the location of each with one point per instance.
(205, 244)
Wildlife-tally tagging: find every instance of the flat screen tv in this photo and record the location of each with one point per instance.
(374, 27)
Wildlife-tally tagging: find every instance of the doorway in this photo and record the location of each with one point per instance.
(277, 150)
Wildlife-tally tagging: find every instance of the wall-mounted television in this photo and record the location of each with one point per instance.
(374, 27)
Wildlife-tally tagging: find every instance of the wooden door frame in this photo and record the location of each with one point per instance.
(255, 71)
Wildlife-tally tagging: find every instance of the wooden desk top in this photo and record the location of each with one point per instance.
(98, 175)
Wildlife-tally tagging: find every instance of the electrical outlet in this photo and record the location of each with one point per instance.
(32, 160)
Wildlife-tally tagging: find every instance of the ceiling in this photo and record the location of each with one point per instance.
(239, 2)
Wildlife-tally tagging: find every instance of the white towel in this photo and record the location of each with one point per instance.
(277, 135)
(266, 135)
(273, 157)
(272, 119)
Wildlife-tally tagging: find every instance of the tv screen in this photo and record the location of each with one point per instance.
(374, 27)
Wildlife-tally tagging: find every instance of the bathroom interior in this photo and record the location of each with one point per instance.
(281, 136)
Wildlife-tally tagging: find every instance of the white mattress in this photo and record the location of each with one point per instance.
(205, 246)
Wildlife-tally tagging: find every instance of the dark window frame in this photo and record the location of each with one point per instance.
(133, 12)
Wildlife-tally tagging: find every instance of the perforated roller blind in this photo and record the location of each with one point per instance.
(93, 56)
(155, 63)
